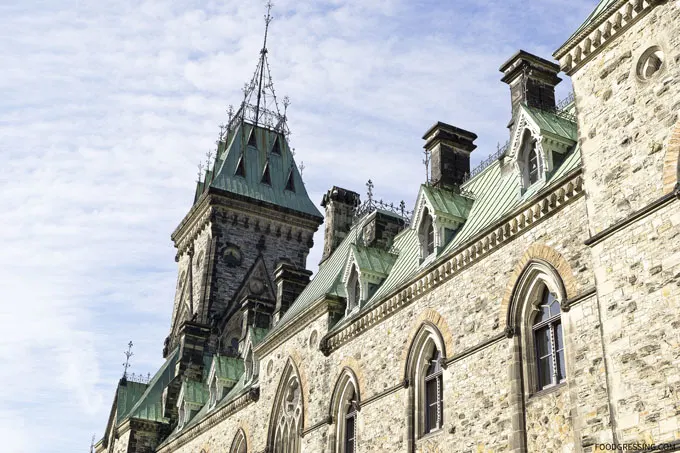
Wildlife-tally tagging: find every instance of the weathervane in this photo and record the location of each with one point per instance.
(128, 354)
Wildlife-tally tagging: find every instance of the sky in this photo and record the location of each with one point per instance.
(107, 108)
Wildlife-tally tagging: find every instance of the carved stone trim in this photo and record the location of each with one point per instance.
(216, 416)
(578, 49)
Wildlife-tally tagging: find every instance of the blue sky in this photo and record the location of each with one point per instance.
(108, 107)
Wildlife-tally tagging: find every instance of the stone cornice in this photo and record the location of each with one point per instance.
(581, 47)
(210, 204)
(487, 241)
(214, 417)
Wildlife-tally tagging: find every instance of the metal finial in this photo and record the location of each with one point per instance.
(302, 167)
(292, 152)
(200, 171)
(426, 161)
(370, 186)
(92, 445)
(402, 208)
(208, 156)
(128, 354)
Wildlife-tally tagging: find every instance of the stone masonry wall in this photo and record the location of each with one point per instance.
(638, 274)
(625, 123)
(477, 391)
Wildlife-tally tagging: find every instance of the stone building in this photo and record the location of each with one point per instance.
(530, 304)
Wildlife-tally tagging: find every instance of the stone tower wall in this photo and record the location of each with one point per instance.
(626, 126)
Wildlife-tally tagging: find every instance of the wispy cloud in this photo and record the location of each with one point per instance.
(107, 107)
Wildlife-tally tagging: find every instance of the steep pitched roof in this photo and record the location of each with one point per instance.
(194, 392)
(148, 405)
(280, 167)
(228, 368)
(373, 260)
(448, 203)
(560, 125)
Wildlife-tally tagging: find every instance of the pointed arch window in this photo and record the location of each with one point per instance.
(427, 235)
(239, 444)
(353, 290)
(286, 422)
(536, 313)
(345, 411)
(426, 373)
(549, 342)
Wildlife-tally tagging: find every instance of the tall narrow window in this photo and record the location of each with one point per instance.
(426, 235)
(433, 394)
(533, 165)
(345, 411)
(549, 342)
(430, 238)
(350, 425)
(286, 422)
(425, 369)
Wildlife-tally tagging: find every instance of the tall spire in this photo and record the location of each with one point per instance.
(260, 105)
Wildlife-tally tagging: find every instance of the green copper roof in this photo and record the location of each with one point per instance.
(148, 405)
(552, 123)
(448, 203)
(194, 392)
(257, 334)
(373, 260)
(228, 368)
(129, 393)
(257, 155)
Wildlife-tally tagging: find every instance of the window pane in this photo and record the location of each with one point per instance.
(545, 371)
(431, 419)
(543, 314)
(542, 338)
(554, 307)
(430, 392)
(559, 340)
(349, 435)
(561, 368)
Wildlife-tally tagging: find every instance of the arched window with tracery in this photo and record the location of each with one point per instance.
(239, 444)
(425, 369)
(345, 410)
(287, 417)
(537, 315)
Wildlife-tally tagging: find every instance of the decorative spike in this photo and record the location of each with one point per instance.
(127, 364)
(302, 167)
(370, 186)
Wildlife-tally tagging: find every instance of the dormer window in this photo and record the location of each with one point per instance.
(530, 162)
(354, 287)
(426, 234)
(533, 165)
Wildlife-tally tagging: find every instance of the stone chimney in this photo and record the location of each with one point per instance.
(289, 281)
(340, 207)
(532, 81)
(380, 228)
(449, 149)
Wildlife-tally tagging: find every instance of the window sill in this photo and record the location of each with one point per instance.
(430, 435)
(549, 390)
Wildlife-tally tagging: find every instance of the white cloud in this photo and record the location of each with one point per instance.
(107, 107)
